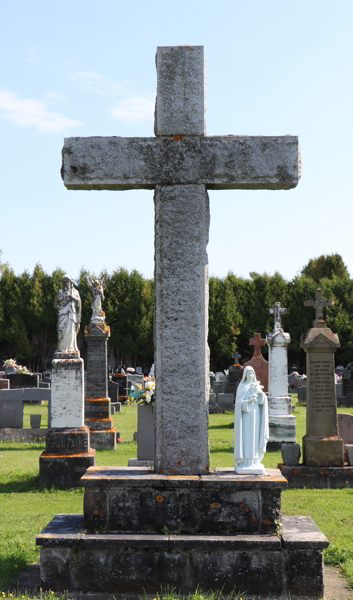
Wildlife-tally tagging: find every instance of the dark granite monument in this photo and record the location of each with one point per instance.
(235, 373)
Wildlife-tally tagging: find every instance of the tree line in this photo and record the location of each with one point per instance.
(238, 307)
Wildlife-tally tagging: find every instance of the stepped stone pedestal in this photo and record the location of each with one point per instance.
(145, 531)
(97, 402)
(67, 452)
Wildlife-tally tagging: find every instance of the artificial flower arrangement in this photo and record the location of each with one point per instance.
(10, 363)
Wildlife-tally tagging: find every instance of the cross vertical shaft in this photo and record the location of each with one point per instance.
(181, 273)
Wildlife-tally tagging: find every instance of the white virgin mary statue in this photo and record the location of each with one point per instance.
(68, 303)
(251, 425)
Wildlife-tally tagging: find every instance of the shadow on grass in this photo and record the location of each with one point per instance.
(215, 450)
(22, 484)
(228, 426)
(26, 447)
(10, 566)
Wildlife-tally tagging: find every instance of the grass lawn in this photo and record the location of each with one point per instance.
(25, 510)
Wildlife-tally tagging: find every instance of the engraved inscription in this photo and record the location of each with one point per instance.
(321, 386)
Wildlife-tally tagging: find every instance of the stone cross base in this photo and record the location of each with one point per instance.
(66, 458)
(212, 532)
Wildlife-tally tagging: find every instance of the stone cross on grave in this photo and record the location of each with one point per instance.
(277, 311)
(257, 342)
(236, 356)
(319, 304)
(181, 163)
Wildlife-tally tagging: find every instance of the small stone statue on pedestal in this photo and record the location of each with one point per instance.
(96, 287)
(251, 430)
(67, 453)
(68, 304)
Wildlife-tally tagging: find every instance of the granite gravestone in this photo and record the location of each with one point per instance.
(346, 399)
(235, 373)
(281, 421)
(23, 380)
(322, 445)
(258, 362)
(97, 401)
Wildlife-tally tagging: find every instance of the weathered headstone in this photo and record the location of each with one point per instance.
(346, 398)
(281, 421)
(97, 401)
(322, 445)
(23, 380)
(146, 436)
(11, 412)
(258, 362)
(182, 495)
(235, 373)
(68, 453)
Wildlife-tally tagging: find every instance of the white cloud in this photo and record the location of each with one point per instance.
(137, 108)
(26, 112)
(97, 84)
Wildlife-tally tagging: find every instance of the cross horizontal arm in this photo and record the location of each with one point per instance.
(219, 162)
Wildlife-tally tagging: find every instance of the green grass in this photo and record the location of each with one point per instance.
(25, 509)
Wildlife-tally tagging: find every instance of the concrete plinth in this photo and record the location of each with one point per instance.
(103, 439)
(301, 476)
(128, 499)
(66, 458)
(324, 451)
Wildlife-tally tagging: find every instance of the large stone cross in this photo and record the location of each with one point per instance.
(181, 163)
(257, 341)
(277, 311)
(319, 304)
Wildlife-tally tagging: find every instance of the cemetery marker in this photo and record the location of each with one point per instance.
(181, 163)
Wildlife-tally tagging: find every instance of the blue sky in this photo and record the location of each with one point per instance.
(82, 68)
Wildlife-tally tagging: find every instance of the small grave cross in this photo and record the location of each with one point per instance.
(277, 311)
(235, 358)
(257, 342)
(319, 304)
(181, 163)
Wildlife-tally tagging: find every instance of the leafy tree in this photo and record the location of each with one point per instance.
(224, 322)
(325, 266)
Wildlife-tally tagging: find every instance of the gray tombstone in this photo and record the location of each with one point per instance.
(11, 413)
(23, 380)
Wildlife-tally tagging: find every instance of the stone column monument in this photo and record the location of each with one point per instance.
(97, 402)
(281, 420)
(68, 453)
(322, 446)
